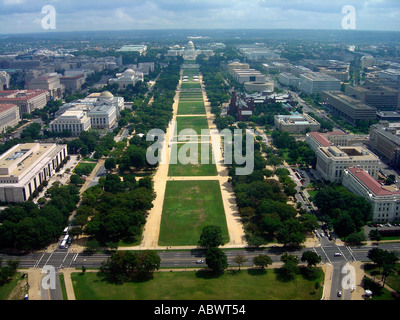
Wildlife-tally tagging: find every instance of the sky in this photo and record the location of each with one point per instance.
(25, 16)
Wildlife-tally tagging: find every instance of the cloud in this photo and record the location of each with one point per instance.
(23, 15)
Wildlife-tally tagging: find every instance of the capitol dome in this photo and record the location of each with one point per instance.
(190, 45)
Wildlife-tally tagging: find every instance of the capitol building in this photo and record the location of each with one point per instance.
(189, 52)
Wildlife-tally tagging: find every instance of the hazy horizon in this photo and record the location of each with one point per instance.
(24, 16)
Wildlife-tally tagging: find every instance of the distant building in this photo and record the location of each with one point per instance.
(237, 65)
(75, 121)
(9, 116)
(316, 140)
(133, 48)
(332, 161)
(350, 109)
(26, 100)
(50, 83)
(189, 52)
(288, 79)
(24, 167)
(381, 97)
(129, 77)
(391, 116)
(392, 74)
(240, 107)
(315, 82)
(73, 82)
(385, 200)
(296, 123)
(384, 139)
(103, 116)
(4, 80)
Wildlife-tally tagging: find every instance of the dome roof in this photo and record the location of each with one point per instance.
(190, 45)
(106, 94)
(129, 72)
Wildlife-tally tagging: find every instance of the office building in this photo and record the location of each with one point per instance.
(296, 123)
(315, 82)
(26, 100)
(348, 108)
(384, 139)
(73, 82)
(385, 200)
(9, 116)
(141, 49)
(288, 79)
(316, 140)
(381, 97)
(50, 83)
(333, 160)
(24, 167)
(237, 65)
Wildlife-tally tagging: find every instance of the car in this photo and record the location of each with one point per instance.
(339, 294)
(199, 261)
(322, 235)
(337, 254)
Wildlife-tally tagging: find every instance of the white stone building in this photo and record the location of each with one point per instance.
(385, 200)
(24, 167)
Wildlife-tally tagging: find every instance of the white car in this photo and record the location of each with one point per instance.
(199, 261)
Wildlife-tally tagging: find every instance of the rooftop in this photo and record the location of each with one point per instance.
(374, 186)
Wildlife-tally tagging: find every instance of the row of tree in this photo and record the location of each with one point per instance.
(342, 210)
(26, 226)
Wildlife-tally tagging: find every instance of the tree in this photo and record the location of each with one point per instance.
(211, 236)
(239, 260)
(262, 261)
(290, 266)
(292, 233)
(110, 163)
(216, 260)
(311, 257)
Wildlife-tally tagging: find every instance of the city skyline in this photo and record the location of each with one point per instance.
(22, 16)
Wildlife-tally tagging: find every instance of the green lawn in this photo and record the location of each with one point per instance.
(393, 280)
(199, 285)
(179, 167)
(188, 207)
(195, 123)
(84, 168)
(186, 108)
(191, 85)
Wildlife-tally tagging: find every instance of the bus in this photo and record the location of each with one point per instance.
(63, 244)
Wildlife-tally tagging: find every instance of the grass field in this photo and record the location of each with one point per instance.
(191, 85)
(85, 168)
(188, 207)
(194, 107)
(195, 123)
(187, 98)
(192, 155)
(199, 285)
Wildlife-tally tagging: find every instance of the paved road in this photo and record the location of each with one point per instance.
(63, 258)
